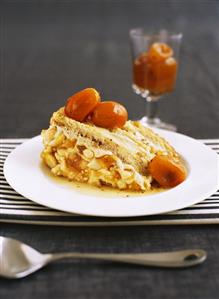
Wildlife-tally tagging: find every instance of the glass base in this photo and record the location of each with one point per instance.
(157, 123)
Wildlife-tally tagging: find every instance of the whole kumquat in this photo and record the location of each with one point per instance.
(159, 52)
(167, 172)
(109, 115)
(81, 104)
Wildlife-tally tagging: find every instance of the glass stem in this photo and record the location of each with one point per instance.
(152, 108)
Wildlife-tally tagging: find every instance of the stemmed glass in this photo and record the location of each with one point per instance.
(155, 66)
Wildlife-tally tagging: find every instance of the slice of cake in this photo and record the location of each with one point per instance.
(118, 157)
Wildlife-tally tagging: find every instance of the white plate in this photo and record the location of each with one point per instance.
(24, 173)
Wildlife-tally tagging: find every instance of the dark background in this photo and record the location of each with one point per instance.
(51, 49)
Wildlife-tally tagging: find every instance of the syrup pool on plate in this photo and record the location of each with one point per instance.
(90, 190)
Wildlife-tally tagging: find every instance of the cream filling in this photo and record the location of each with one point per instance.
(118, 138)
(121, 140)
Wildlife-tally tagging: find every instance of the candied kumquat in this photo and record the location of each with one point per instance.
(81, 104)
(157, 76)
(159, 52)
(167, 172)
(109, 115)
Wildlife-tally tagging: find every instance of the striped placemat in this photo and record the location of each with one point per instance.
(14, 208)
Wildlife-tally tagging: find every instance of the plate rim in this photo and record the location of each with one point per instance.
(109, 214)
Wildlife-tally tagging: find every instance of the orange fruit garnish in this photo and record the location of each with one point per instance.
(166, 171)
(162, 76)
(159, 52)
(109, 115)
(157, 76)
(82, 103)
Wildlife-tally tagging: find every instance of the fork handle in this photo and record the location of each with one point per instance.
(182, 258)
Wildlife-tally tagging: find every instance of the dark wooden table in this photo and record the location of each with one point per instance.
(51, 49)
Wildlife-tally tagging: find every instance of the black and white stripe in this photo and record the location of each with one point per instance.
(14, 208)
